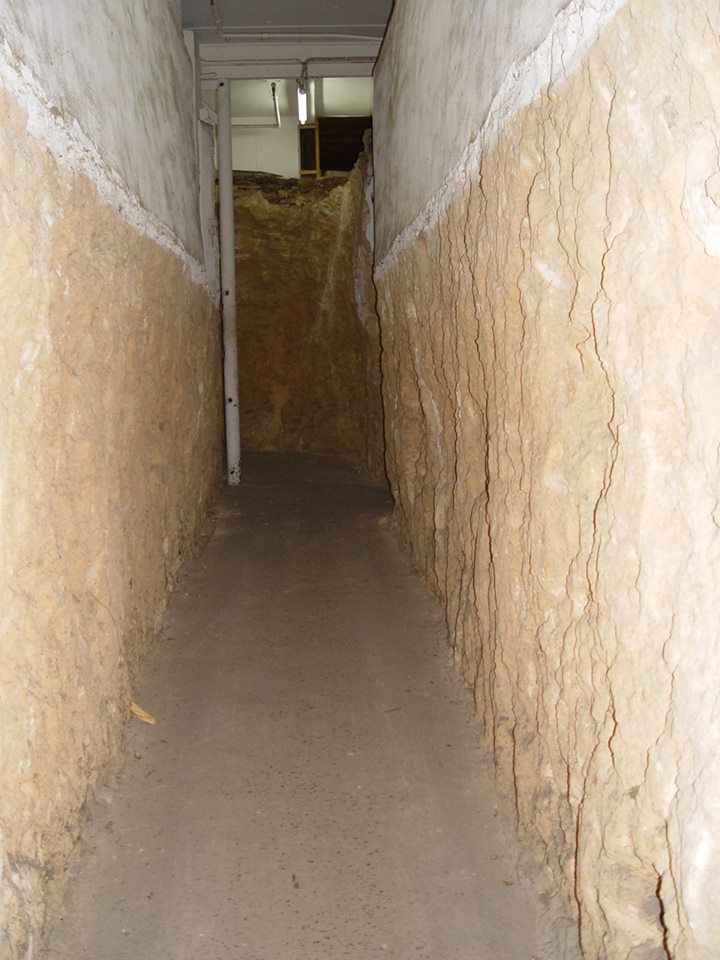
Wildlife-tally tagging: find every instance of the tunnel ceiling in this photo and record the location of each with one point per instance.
(220, 20)
(275, 39)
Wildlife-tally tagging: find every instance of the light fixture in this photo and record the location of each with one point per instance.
(302, 96)
(302, 103)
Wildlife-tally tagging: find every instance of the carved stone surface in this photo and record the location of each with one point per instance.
(550, 359)
(307, 327)
(110, 422)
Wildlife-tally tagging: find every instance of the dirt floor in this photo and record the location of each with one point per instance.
(314, 786)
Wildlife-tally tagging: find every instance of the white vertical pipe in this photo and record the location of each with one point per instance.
(227, 279)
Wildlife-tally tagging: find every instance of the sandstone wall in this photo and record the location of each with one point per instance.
(551, 348)
(110, 421)
(307, 326)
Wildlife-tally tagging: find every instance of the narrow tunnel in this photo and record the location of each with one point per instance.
(359, 480)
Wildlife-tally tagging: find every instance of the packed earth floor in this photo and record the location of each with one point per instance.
(315, 786)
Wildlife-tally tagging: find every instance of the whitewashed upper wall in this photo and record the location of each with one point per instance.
(439, 69)
(120, 69)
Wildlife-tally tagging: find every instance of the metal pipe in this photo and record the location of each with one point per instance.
(210, 74)
(260, 123)
(217, 20)
(221, 63)
(273, 87)
(239, 34)
(227, 280)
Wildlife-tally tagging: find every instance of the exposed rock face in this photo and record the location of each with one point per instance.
(110, 423)
(551, 358)
(308, 331)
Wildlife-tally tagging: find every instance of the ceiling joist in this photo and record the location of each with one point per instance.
(243, 39)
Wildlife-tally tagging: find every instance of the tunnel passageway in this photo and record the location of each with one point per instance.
(314, 785)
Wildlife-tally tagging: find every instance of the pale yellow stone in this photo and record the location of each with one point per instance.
(308, 335)
(551, 360)
(110, 418)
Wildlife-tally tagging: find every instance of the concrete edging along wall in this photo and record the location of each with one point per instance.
(70, 146)
(123, 80)
(405, 211)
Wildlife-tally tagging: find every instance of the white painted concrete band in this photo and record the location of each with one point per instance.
(73, 149)
(561, 53)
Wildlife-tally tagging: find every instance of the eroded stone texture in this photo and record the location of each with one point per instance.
(308, 331)
(110, 425)
(551, 358)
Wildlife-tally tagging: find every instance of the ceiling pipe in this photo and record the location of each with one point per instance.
(224, 63)
(217, 20)
(235, 34)
(273, 87)
(227, 280)
(212, 74)
(259, 123)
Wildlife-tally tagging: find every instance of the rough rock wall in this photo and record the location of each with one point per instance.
(110, 424)
(551, 351)
(307, 327)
